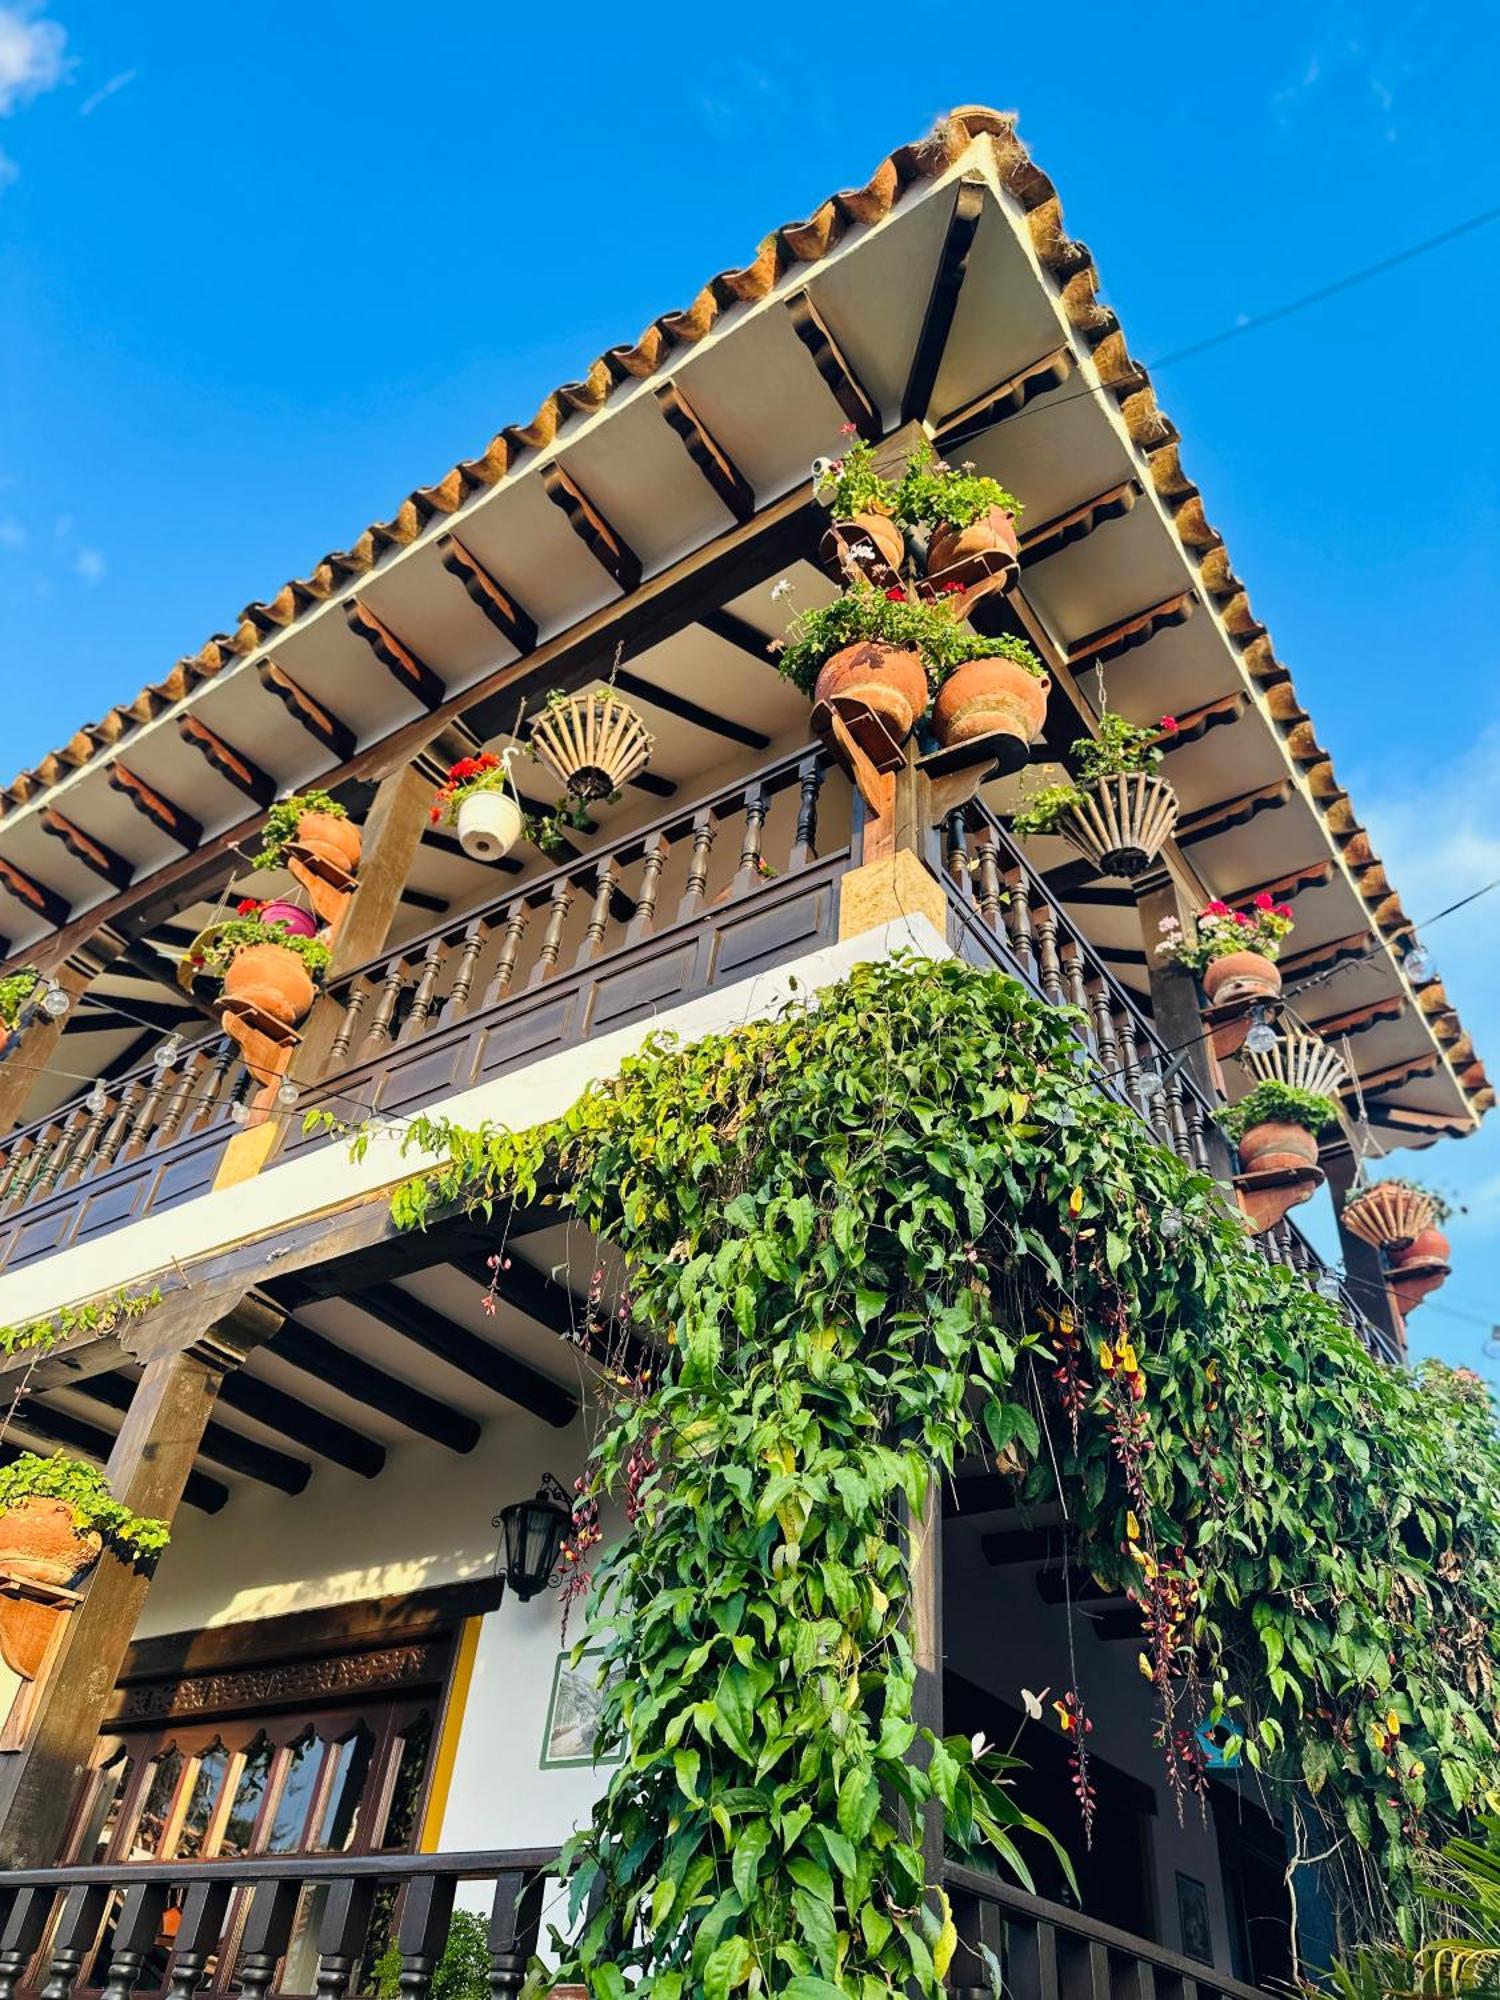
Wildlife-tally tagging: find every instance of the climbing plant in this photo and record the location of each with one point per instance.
(846, 1247)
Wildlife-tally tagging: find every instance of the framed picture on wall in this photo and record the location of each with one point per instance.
(1192, 1920)
(573, 1712)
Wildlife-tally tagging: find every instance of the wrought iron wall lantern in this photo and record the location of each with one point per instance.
(531, 1538)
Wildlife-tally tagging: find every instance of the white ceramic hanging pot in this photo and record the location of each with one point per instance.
(489, 825)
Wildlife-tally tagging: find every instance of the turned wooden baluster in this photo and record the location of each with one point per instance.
(1176, 1119)
(378, 1034)
(805, 840)
(421, 1004)
(32, 1152)
(218, 1087)
(135, 1933)
(426, 1913)
(187, 1071)
(354, 1007)
(560, 901)
(986, 887)
(75, 1937)
(757, 804)
(145, 1118)
(341, 1935)
(1047, 958)
(514, 1923)
(205, 1909)
(475, 938)
(517, 917)
(10, 1160)
(59, 1155)
(1197, 1152)
(1018, 921)
(21, 1939)
(268, 1931)
(1129, 1068)
(1075, 985)
(654, 859)
(705, 826)
(606, 876)
(114, 1138)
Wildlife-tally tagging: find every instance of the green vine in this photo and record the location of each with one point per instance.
(280, 828)
(84, 1489)
(931, 627)
(15, 990)
(933, 491)
(860, 1241)
(103, 1315)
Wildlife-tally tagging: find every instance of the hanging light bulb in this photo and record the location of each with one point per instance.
(55, 1003)
(1417, 964)
(1171, 1224)
(1153, 1083)
(1327, 1286)
(287, 1092)
(97, 1100)
(240, 1113)
(167, 1054)
(1262, 1036)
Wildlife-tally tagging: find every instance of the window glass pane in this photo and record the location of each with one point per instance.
(351, 1771)
(249, 1793)
(297, 1788)
(104, 1809)
(208, 1782)
(412, 1748)
(160, 1791)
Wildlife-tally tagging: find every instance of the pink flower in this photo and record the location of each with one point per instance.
(1244, 919)
(1264, 901)
(1281, 910)
(1169, 725)
(1216, 909)
(848, 430)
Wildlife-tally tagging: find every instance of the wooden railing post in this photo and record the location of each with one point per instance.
(426, 1913)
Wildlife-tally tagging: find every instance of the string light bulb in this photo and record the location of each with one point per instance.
(1261, 1039)
(1327, 1286)
(97, 1100)
(287, 1092)
(1417, 963)
(1152, 1082)
(1172, 1224)
(240, 1113)
(55, 1003)
(164, 1056)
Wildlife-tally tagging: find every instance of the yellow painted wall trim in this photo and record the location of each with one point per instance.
(447, 1745)
(246, 1154)
(883, 892)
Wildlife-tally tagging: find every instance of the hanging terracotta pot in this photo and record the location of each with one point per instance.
(867, 545)
(1391, 1216)
(1419, 1269)
(889, 679)
(291, 917)
(329, 838)
(990, 697)
(489, 825)
(593, 744)
(1429, 1245)
(39, 1541)
(1122, 822)
(273, 980)
(1277, 1148)
(985, 556)
(1241, 978)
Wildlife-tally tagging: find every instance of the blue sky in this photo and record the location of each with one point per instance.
(264, 269)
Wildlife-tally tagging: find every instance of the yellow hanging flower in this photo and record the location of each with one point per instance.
(1106, 1357)
(1075, 1202)
(1132, 1527)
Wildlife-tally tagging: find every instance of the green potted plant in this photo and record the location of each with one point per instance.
(1116, 811)
(896, 649)
(972, 522)
(312, 820)
(1276, 1127)
(56, 1514)
(861, 538)
(1233, 953)
(261, 965)
(16, 990)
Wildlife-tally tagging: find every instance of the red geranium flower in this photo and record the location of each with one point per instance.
(1264, 901)
(951, 589)
(1216, 909)
(1282, 910)
(896, 594)
(1243, 919)
(1169, 724)
(248, 907)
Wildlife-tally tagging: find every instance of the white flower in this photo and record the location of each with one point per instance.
(1033, 1702)
(781, 589)
(865, 551)
(979, 1743)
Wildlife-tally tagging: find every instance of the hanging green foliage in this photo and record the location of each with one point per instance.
(867, 1238)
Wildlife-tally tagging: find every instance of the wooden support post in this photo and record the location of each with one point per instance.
(1362, 1261)
(1174, 1000)
(926, 1558)
(148, 1468)
(33, 1050)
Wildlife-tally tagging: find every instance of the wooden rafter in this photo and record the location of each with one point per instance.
(1396, 1074)
(737, 631)
(467, 1352)
(1006, 399)
(604, 543)
(942, 300)
(1319, 958)
(719, 470)
(1359, 1020)
(834, 366)
(229, 1448)
(508, 616)
(165, 814)
(398, 659)
(1063, 530)
(318, 720)
(241, 771)
(1110, 641)
(98, 858)
(689, 711)
(315, 1354)
(38, 898)
(74, 1434)
(1197, 722)
(298, 1420)
(1210, 821)
(1285, 888)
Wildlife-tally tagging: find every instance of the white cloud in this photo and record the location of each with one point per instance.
(116, 83)
(90, 565)
(33, 55)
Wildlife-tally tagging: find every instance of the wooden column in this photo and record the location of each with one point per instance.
(148, 1467)
(926, 1545)
(1362, 1262)
(1174, 1000)
(32, 1051)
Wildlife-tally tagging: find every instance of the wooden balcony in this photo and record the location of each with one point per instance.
(299, 1925)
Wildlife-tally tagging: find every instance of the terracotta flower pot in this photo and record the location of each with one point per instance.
(889, 679)
(1419, 1269)
(990, 697)
(1429, 1245)
(1273, 1147)
(1241, 977)
(330, 839)
(1391, 1217)
(840, 550)
(984, 556)
(273, 979)
(38, 1540)
(292, 917)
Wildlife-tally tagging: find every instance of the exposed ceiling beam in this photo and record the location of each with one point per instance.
(1359, 1020)
(1211, 821)
(73, 1434)
(1284, 888)
(1429, 1125)
(313, 1429)
(468, 1352)
(604, 543)
(448, 843)
(129, 1056)
(1006, 399)
(165, 814)
(1195, 725)
(37, 897)
(834, 366)
(1080, 882)
(319, 721)
(1299, 965)
(539, 1296)
(99, 859)
(419, 899)
(315, 1354)
(1110, 641)
(410, 674)
(242, 772)
(690, 711)
(94, 1013)
(1394, 1076)
(737, 631)
(505, 613)
(942, 300)
(719, 470)
(260, 1462)
(1063, 530)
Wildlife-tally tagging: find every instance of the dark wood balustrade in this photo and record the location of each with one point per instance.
(275, 1925)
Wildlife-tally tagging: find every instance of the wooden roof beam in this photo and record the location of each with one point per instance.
(175, 821)
(61, 1427)
(468, 1352)
(36, 896)
(99, 859)
(504, 612)
(604, 543)
(1394, 1076)
(1210, 821)
(319, 721)
(834, 366)
(737, 631)
(1359, 1020)
(242, 772)
(1006, 399)
(1319, 958)
(315, 1354)
(690, 711)
(312, 1428)
(1285, 888)
(942, 300)
(412, 675)
(728, 484)
(260, 1462)
(1110, 641)
(1195, 725)
(1063, 530)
